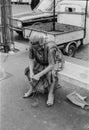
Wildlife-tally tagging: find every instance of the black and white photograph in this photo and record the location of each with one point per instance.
(44, 64)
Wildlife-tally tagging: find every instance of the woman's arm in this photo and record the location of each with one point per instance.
(50, 67)
(43, 72)
(31, 65)
(31, 61)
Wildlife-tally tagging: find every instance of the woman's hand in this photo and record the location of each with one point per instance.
(36, 77)
(31, 75)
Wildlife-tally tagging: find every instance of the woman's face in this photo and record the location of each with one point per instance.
(36, 45)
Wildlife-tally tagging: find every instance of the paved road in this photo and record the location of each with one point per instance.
(19, 114)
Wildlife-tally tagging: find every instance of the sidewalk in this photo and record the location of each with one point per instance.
(18, 114)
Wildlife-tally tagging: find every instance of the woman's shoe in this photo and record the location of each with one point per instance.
(28, 94)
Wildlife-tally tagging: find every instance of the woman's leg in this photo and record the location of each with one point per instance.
(50, 100)
(31, 90)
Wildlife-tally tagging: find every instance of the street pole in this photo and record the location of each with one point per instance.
(7, 32)
(12, 47)
(86, 8)
(54, 15)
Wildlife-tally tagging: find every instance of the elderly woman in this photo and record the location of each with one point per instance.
(45, 60)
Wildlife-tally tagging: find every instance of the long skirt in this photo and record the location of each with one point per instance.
(44, 83)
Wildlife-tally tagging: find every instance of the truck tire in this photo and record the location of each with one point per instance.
(71, 50)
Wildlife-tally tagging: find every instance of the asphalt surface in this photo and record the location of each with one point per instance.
(18, 113)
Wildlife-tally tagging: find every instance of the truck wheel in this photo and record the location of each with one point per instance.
(71, 50)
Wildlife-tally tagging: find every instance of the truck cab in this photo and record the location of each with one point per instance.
(41, 14)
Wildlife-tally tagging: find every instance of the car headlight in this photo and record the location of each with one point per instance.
(19, 24)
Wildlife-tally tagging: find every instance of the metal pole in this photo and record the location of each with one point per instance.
(10, 25)
(86, 7)
(54, 15)
(5, 23)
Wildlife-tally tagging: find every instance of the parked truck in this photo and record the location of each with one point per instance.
(71, 29)
(41, 14)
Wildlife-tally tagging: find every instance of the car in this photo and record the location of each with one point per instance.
(41, 14)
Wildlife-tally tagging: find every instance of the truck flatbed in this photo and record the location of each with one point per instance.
(63, 33)
(59, 28)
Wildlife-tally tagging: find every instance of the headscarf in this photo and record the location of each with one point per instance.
(37, 40)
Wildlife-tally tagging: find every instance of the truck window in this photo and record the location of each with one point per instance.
(69, 9)
(47, 7)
